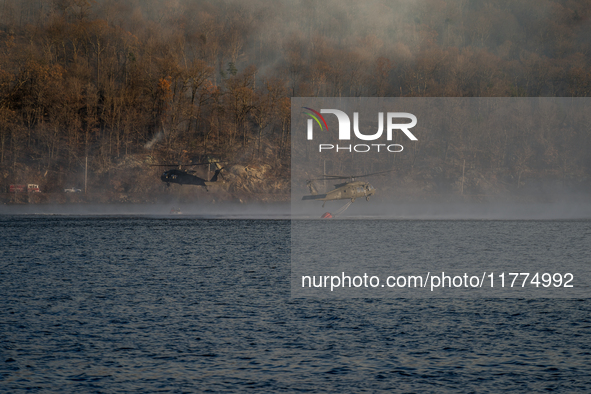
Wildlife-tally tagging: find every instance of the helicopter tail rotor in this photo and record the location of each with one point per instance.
(312, 188)
(218, 173)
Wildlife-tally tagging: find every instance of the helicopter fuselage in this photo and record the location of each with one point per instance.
(345, 191)
(182, 178)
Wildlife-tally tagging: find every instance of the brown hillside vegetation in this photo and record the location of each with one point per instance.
(130, 83)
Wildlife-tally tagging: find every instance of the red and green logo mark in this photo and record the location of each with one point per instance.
(315, 115)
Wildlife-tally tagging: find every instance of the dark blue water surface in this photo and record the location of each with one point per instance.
(119, 304)
(536, 258)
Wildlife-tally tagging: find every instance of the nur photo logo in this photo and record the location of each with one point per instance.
(391, 119)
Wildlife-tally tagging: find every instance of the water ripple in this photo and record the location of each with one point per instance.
(140, 304)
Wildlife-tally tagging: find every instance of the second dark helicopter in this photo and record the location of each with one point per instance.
(188, 177)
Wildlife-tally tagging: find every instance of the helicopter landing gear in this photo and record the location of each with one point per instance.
(352, 200)
(367, 198)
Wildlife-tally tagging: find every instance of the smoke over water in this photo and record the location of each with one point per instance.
(372, 210)
(168, 211)
(447, 210)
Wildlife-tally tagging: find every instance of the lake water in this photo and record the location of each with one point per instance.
(441, 258)
(153, 303)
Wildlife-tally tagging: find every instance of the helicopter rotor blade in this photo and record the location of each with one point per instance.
(328, 177)
(185, 165)
(335, 177)
(372, 174)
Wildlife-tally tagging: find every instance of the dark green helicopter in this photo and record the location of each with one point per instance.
(349, 190)
(188, 177)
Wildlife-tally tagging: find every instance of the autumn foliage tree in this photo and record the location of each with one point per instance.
(176, 79)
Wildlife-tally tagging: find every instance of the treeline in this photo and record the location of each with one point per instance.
(178, 79)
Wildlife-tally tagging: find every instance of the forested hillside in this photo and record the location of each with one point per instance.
(128, 83)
